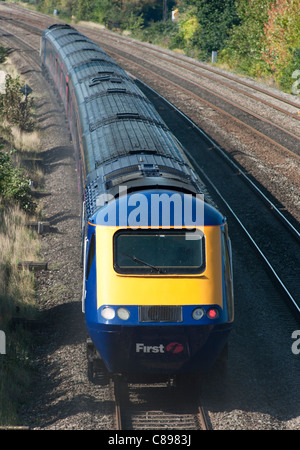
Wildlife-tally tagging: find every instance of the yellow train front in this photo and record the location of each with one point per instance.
(158, 283)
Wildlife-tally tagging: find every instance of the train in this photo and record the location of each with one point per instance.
(156, 254)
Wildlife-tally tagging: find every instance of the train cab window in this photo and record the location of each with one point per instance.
(159, 252)
(91, 255)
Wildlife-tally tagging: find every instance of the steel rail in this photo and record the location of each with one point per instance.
(194, 62)
(176, 58)
(157, 417)
(210, 92)
(216, 72)
(117, 399)
(233, 164)
(202, 417)
(220, 110)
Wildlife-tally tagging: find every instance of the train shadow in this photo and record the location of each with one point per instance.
(58, 393)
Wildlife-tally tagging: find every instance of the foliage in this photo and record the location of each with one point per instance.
(289, 75)
(281, 35)
(215, 21)
(267, 40)
(17, 243)
(257, 37)
(244, 46)
(14, 186)
(3, 54)
(160, 33)
(13, 107)
(121, 13)
(188, 31)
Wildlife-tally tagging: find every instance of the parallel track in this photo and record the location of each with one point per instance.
(265, 128)
(178, 59)
(273, 133)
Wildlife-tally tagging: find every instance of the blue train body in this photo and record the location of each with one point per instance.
(157, 288)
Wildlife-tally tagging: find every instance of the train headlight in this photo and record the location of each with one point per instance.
(198, 313)
(108, 313)
(123, 313)
(212, 313)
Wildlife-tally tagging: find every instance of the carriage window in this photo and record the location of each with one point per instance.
(159, 252)
(91, 255)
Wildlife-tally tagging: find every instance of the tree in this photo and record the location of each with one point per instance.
(215, 21)
(244, 46)
(281, 34)
(84, 9)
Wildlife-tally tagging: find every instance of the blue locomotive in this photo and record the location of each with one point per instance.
(157, 288)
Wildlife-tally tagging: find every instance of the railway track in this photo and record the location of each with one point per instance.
(164, 65)
(262, 127)
(177, 59)
(158, 406)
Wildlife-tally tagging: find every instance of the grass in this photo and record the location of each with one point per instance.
(17, 298)
(26, 141)
(17, 287)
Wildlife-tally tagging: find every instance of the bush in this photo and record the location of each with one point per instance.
(286, 80)
(160, 33)
(3, 54)
(14, 186)
(13, 107)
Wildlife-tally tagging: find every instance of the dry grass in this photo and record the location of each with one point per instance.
(17, 244)
(9, 67)
(26, 141)
(17, 289)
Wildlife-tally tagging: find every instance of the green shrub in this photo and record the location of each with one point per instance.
(14, 107)
(286, 79)
(3, 54)
(14, 186)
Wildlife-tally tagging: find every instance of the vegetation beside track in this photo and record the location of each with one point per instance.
(18, 140)
(258, 38)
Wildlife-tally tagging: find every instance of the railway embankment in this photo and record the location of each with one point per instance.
(19, 141)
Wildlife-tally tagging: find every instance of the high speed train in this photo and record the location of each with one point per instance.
(157, 288)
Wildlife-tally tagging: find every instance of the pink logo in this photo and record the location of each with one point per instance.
(174, 347)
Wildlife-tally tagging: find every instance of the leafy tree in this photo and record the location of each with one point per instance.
(215, 20)
(244, 46)
(282, 35)
(188, 31)
(84, 9)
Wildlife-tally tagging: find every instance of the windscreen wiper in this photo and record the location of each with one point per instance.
(134, 258)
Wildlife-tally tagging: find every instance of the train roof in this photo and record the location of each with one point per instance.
(124, 137)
